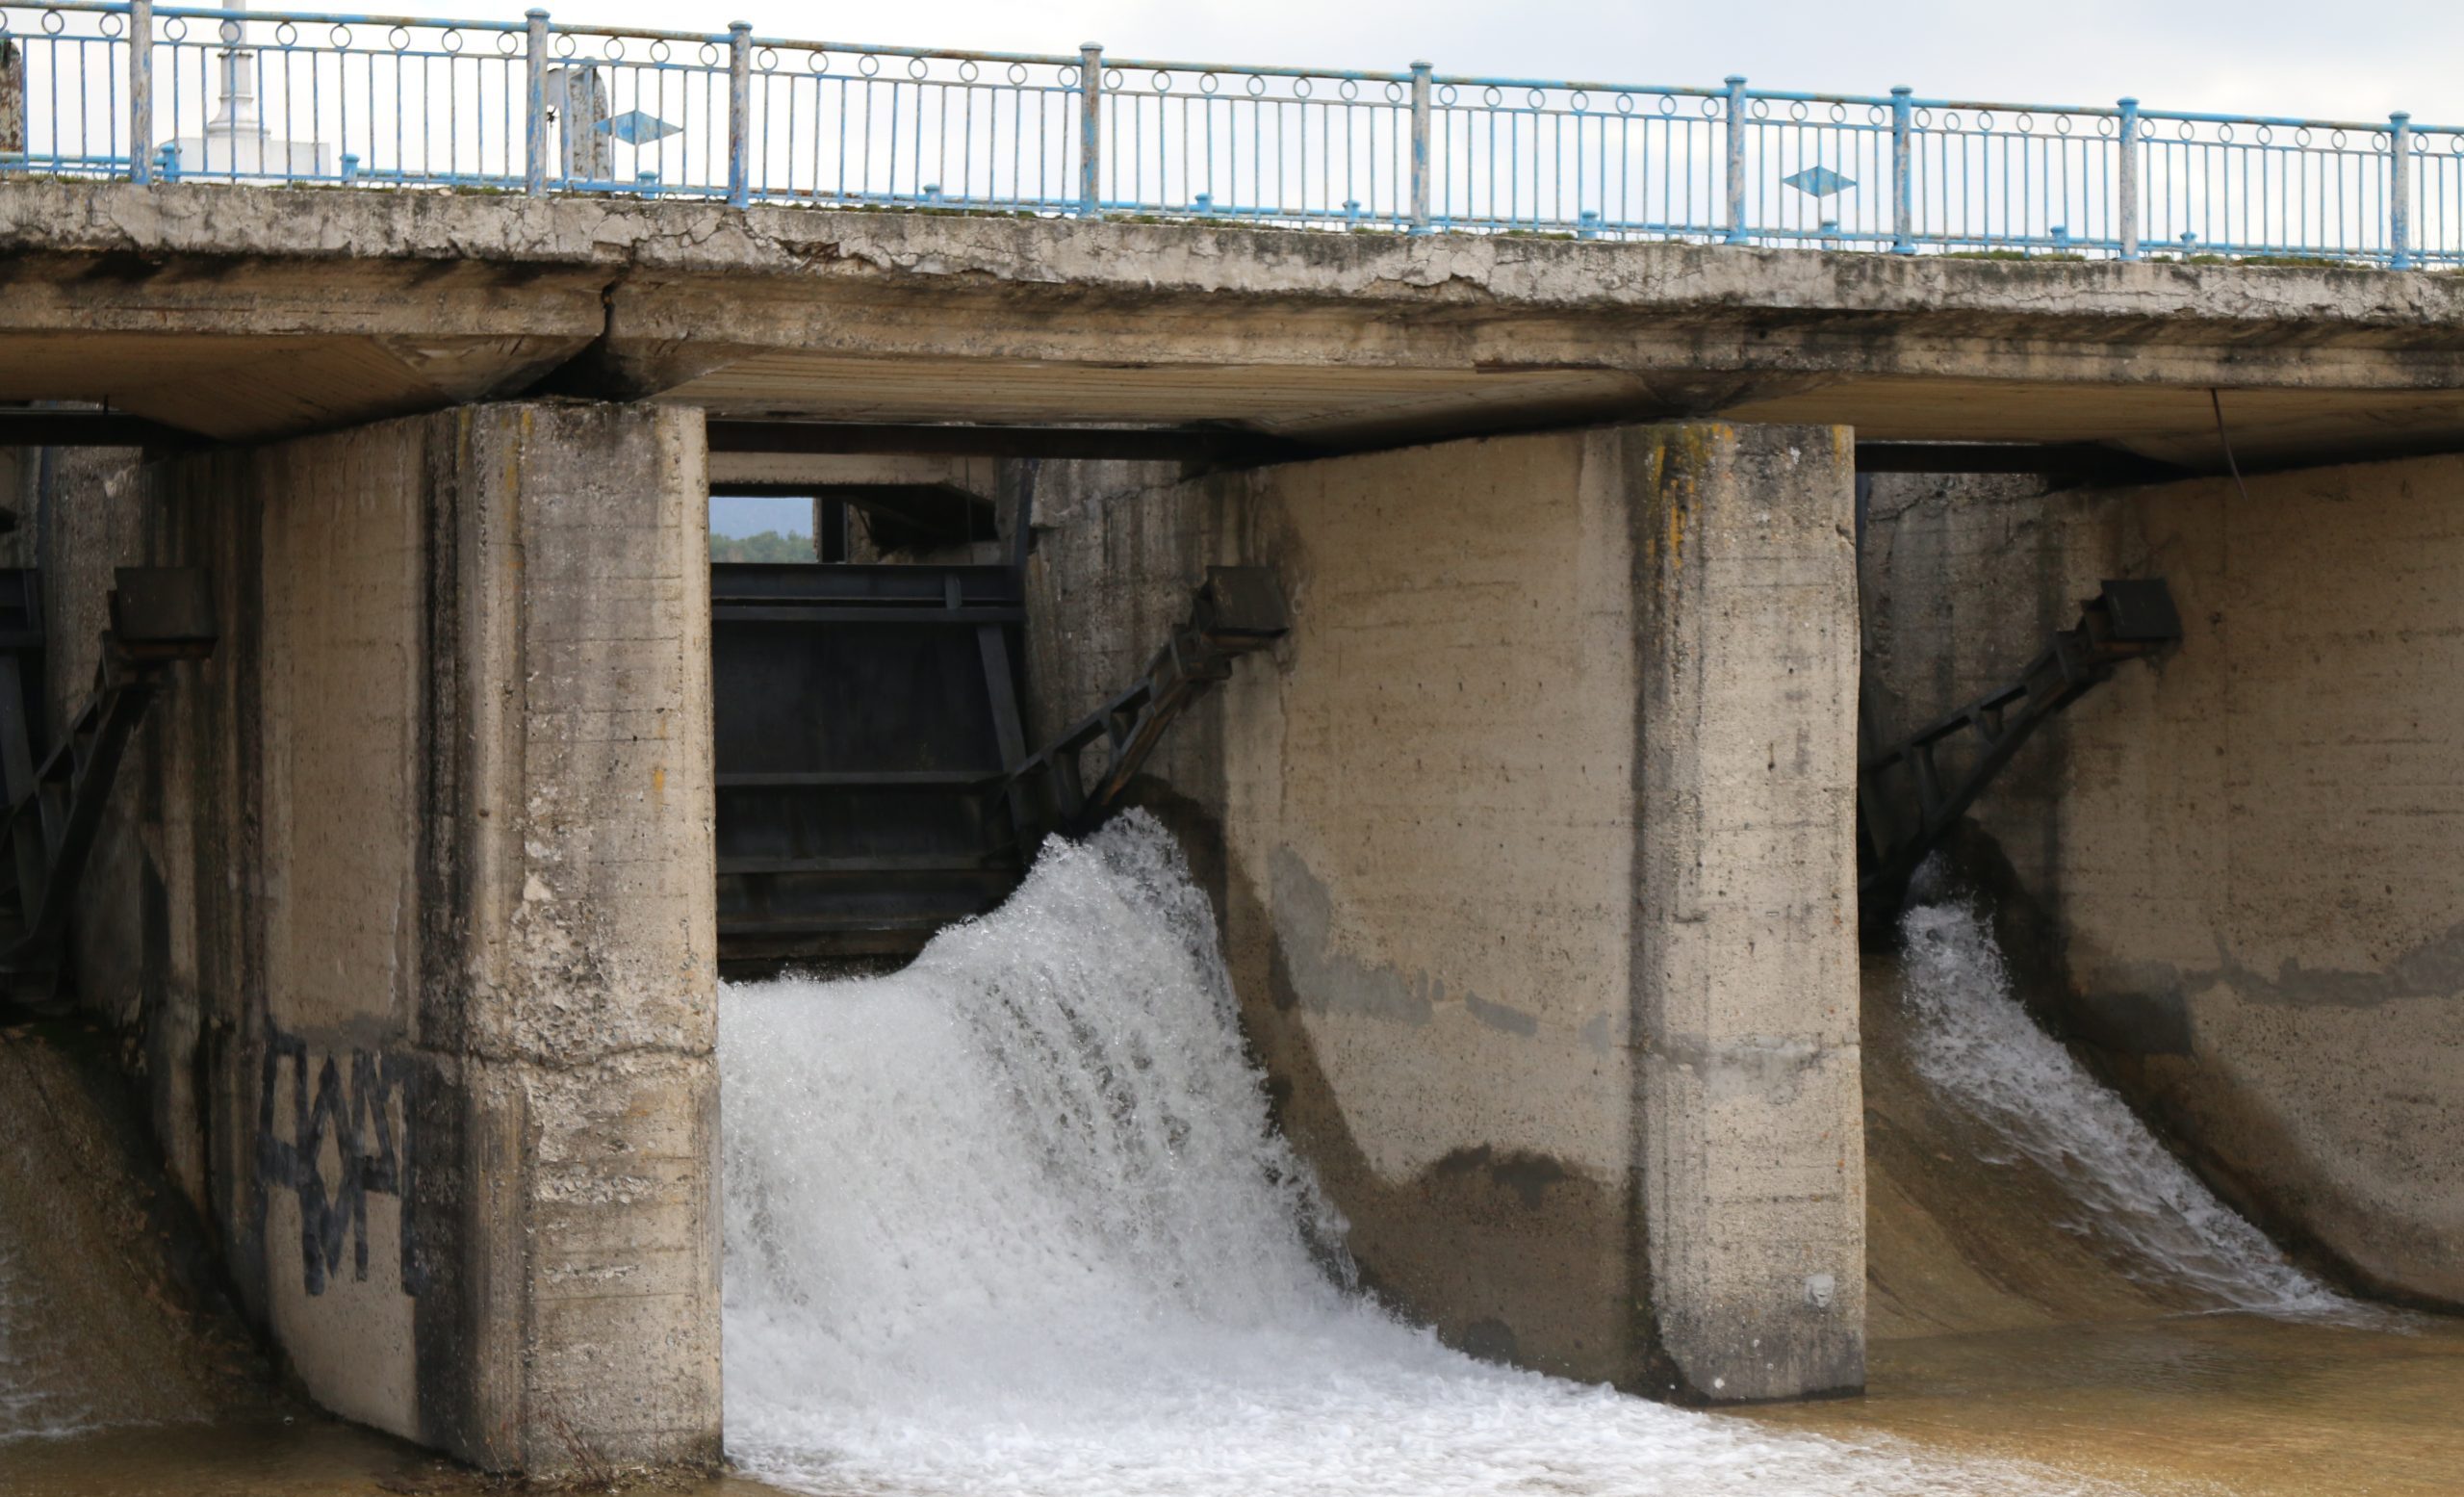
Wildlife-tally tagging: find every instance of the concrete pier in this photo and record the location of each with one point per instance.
(1535, 848)
(422, 945)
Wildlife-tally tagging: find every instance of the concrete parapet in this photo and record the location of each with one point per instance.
(1535, 845)
(423, 944)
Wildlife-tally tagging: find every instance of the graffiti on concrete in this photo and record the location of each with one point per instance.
(346, 1139)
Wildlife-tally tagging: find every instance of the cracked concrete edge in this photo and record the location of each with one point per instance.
(1140, 260)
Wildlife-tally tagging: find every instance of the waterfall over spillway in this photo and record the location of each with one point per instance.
(1014, 1220)
(1977, 1047)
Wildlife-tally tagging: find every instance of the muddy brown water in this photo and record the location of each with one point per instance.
(1995, 1328)
(1995, 1331)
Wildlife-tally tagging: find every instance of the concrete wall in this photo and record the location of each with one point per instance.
(2244, 858)
(1533, 844)
(410, 905)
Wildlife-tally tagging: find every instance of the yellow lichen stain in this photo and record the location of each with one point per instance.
(1686, 455)
(658, 782)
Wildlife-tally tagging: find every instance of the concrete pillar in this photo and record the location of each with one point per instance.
(571, 863)
(1535, 842)
(1749, 1108)
(430, 852)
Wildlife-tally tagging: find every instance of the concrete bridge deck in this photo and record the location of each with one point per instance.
(242, 313)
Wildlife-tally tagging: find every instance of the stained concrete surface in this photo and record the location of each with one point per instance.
(1527, 839)
(405, 907)
(243, 312)
(2241, 861)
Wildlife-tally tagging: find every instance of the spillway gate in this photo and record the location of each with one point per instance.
(873, 781)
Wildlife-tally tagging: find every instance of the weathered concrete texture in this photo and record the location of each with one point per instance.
(422, 947)
(2244, 857)
(243, 312)
(1533, 845)
(1745, 968)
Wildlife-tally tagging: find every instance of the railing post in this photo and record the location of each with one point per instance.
(1737, 160)
(1090, 130)
(1903, 172)
(2126, 179)
(739, 114)
(141, 92)
(534, 171)
(2400, 191)
(1420, 146)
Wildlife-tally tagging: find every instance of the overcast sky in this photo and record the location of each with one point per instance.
(2315, 58)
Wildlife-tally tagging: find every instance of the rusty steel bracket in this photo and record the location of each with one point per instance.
(159, 617)
(1907, 805)
(1237, 612)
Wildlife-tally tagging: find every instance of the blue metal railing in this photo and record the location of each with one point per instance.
(142, 91)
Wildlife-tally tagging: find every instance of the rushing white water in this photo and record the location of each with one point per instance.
(1014, 1221)
(1976, 1044)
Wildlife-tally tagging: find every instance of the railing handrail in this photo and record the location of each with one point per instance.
(1186, 65)
(199, 12)
(2118, 179)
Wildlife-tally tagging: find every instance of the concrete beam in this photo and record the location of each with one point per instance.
(1114, 444)
(1339, 341)
(237, 347)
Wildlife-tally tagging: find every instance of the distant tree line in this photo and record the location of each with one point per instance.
(765, 546)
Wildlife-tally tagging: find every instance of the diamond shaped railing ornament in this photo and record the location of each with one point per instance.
(635, 128)
(1818, 182)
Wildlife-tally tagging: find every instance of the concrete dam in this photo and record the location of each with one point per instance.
(1271, 902)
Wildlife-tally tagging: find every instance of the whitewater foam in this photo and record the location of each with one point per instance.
(1977, 1047)
(1015, 1221)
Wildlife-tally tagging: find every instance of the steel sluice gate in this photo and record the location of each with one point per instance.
(874, 778)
